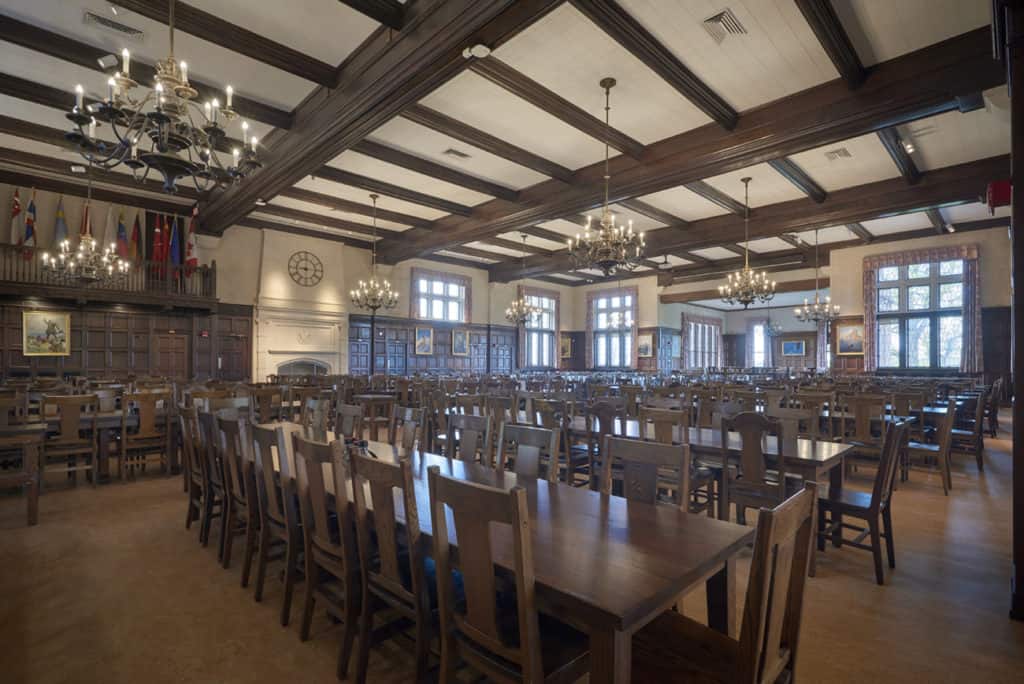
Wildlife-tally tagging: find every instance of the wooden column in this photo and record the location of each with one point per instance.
(1015, 63)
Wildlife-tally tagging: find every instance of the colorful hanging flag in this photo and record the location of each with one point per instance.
(158, 239)
(191, 253)
(30, 224)
(109, 229)
(60, 227)
(122, 236)
(16, 220)
(133, 246)
(175, 244)
(85, 228)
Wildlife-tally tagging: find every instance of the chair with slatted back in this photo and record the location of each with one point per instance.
(508, 645)
(188, 425)
(404, 395)
(75, 437)
(470, 404)
(630, 394)
(394, 574)
(150, 435)
(873, 507)
(797, 421)
(219, 404)
(349, 421)
(555, 415)
(753, 483)
(995, 398)
(816, 402)
(406, 427)
(705, 401)
(500, 408)
(215, 499)
(242, 511)
(968, 434)
(651, 472)
(603, 417)
(298, 396)
(673, 649)
(469, 438)
(938, 452)
(671, 426)
(280, 525)
(13, 409)
(528, 450)
(315, 414)
(665, 403)
(863, 424)
(109, 399)
(267, 404)
(437, 421)
(332, 561)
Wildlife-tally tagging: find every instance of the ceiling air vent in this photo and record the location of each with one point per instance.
(837, 154)
(723, 24)
(458, 154)
(123, 30)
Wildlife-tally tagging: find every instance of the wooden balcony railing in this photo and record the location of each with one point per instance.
(150, 281)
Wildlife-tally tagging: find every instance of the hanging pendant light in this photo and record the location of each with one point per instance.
(374, 293)
(747, 286)
(520, 310)
(819, 311)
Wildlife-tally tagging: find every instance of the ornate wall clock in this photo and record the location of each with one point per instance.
(305, 268)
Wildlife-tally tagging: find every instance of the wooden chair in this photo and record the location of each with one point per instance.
(753, 484)
(797, 421)
(469, 438)
(75, 438)
(671, 426)
(267, 404)
(871, 507)
(500, 409)
(528, 447)
(150, 436)
(188, 425)
(108, 399)
(648, 469)
(866, 426)
(968, 436)
(940, 451)
(280, 524)
(555, 415)
(332, 565)
(241, 516)
(995, 398)
(406, 427)
(220, 403)
(512, 646)
(349, 421)
(675, 649)
(394, 577)
(13, 409)
(215, 499)
(24, 449)
(470, 404)
(603, 418)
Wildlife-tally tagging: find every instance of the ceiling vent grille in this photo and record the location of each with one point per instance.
(837, 154)
(123, 30)
(723, 24)
(458, 154)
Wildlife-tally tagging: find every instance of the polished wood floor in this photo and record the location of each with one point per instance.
(109, 587)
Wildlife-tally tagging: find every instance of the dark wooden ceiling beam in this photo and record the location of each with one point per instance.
(907, 88)
(793, 241)
(267, 224)
(544, 234)
(524, 87)
(774, 262)
(388, 73)
(454, 261)
(391, 13)
(893, 144)
(938, 223)
(834, 39)
(220, 32)
(780, 288)
(713, 194)
(614, 20)
(386, 189)
(792, 172)
(695, 258)
(321, 219)
(652, 212)
(351, 207)
(69, 50)
(480, 253)
(446, 125)
(427, 167)
(517, 246)
(860, 231)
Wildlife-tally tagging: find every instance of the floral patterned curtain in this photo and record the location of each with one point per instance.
(971, 357)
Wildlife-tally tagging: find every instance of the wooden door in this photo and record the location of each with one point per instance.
(396, 354)
(172, 355)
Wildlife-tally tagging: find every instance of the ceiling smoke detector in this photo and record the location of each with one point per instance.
(479, 51)
(722, 25)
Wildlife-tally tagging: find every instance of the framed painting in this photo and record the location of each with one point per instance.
(850, 338)
(460, 342)
(45, 333)
(566, 347)
(424, 341)
(645, 345)
(793, 348)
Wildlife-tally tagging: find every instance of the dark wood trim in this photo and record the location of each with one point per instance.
(654, 213)
(798, 177)
(785, 286)
(910, 87)
(351, 207)
(264, 224)
(524, 87)
(544, 234)
(793, 240)
(630, 34)
(938, 223)
(446, 125)
(70, 50)
(860, 231)
(834, 39)
(235, 38)
(391, 13)
(445, 259)
(336, 175)
(66, 187)
(431, 168)
(893, 144)
(695, 258)
(712, 194)
(518, 246)
(482, 253)
(318, 219)
(982, 224)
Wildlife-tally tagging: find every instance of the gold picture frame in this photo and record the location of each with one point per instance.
(424, 342)
(849, 337)
(460, 342)
(645, 345)
(566, 347)
(45, 333)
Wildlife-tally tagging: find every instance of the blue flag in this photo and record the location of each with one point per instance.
(175, 244)
(30, 223)
(60, 230)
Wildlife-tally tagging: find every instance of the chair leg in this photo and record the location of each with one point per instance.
(261, 561)
(312, 575)
(890, 548)
(422, 649)
(206, 520)
(349, 629)
(225, 521)
(979, 448)
(821, 526)
(876, 551)
(229, 538)
(291, 557)
(250, 548)
(365, 635)
(446, 673)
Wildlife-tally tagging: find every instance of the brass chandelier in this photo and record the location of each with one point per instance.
(520, 310)
(374, 294)
(163, 131)
(747, 286)
(611, 248)
(819, 311)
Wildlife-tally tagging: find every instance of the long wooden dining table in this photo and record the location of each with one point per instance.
(603, 564)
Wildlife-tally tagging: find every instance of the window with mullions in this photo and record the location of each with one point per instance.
(920, 315)
(613, 331)
(439, 298)
(540, 332)
(703, 342)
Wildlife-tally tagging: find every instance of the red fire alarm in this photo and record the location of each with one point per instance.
(998, 194)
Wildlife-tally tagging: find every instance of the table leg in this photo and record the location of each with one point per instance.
(835, 491)
(30, 455)
(721, 591)
(611, 657)
(103, 467)
(723, 494)
(172, 449)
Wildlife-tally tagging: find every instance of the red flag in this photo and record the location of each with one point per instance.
(191, 256)
(157, 253)
(86, 226)
(133, 246)
(17, 234)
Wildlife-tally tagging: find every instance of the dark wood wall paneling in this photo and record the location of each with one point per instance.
(118, 340)
(808, 360)
(578, 360)
(662, 361)
(734, 350)
(996, 333)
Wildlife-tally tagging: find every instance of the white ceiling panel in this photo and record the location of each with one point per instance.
(900, 223)
(778, 56)
(829, 235)
(954, 138)
(833, 170)
(566, 228)
(643, 105)
(410, 180)
(623, 216)
(347, 192)
(687, 205)
(468, 257)
(475, 101)
(771, 244)
(498, 251)
(975, 211)
(673, 260)
(565, 276)
(385, 226)
(714, 253)
(883, 29)
(207, 62)
(314, 226)
(425, 142)
(533, 241)
(767, 187)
